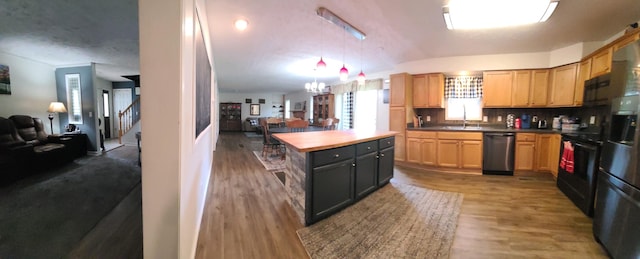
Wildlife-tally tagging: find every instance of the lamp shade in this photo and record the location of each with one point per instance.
(361, 78)
(56, 107)
(321, 64)
(344, 73)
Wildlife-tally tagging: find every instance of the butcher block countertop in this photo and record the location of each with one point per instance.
(321, 140)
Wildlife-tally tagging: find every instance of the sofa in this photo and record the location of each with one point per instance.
(25, 146)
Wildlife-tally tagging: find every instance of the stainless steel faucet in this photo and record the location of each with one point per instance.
(464, 116)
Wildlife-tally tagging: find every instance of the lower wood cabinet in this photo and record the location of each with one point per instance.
(525, 151)
(554, 154)
(422, 147)
(537, 152)
(543, 154)
(460, 150)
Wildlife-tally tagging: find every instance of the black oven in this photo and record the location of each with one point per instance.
(578, 168)
(597, 91)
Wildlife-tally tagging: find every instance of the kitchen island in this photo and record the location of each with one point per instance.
(327, 171)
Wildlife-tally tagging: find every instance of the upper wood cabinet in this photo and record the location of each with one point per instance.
(625, 41)
(400, 90)
(562, 86)
(539, 87)
(428, 90)
(601, 62)
(496, 88)
(420, 91)
(521, 88)
(435, 90)
(584, 74)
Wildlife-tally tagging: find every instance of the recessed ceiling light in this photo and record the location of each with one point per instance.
(241, 24)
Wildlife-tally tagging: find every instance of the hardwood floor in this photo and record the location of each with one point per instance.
(522, 216)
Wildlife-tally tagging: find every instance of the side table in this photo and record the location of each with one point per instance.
(76, 143)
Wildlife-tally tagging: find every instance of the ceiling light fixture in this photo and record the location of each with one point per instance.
(344, 73)
(333, 18)
(321, 65)
(361, 76)
(241, 24)
(314, 87)
(475, 14)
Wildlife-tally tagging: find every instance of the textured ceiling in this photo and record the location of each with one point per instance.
(285, 37)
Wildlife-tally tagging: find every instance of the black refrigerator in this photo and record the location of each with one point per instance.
(616, 222)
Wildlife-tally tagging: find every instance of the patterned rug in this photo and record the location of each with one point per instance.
(272, 163)
(397, 221)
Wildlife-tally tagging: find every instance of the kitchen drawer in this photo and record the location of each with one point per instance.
(456, 135)
(526, 137)
(421, 134)
(366, 147)
(333, 155)
(386, 142)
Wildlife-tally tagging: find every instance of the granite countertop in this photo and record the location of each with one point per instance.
(483, 128)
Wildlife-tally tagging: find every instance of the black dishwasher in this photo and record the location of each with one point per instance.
(498, 153)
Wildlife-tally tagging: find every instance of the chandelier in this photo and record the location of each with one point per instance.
(314, 87)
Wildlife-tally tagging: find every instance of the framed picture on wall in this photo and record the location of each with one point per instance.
(255, 109)
(261, 101)
(248, 100)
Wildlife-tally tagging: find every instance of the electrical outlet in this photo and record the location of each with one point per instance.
(485, 118)
(592, 120)
(499, 118)
(428, 118)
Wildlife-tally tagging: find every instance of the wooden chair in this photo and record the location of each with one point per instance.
(328, 124)
(270, 144)
(297, 125)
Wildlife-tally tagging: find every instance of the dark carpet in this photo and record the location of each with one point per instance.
(45, 215)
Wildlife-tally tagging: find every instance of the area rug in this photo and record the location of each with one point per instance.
(272, 163)
(46, 215)
(397, 221)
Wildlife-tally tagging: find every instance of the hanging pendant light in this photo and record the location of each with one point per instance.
(361, 76)
(321, 65)
(344, 73)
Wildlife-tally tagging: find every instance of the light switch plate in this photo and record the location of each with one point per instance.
(499, 118)
(485, 118)
(592, 120)
(428, 118)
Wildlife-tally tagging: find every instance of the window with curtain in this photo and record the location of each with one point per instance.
(346, 122)
(463, 96)
(74, 98)
(365, 103)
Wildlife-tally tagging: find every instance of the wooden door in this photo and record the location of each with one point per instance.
(584, 73)
(429, 152)
(601, 62)
(414, 153)
(496, 89)
(448, 153)
(435, 92)
(521, 88)
(471, 154)
(420, 92)
(539, 86)
(397, 89)
(525, 153)
(543, 153)
(563, 84)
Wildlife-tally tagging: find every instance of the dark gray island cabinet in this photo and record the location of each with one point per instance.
(340, 169)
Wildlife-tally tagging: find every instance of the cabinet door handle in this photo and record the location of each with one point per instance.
(382, 155)
(377, 156)
(337, 155)
(389, 142)
(368, 148)
(353, 165)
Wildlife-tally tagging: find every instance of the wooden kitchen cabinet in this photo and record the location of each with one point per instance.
(421, 147)
(539, 87)
(601, 62)
(420, 91)
(496, 88)
(459, 149)
(584, 74)
(543, 153)
(625, 40)
(554, 154)
(435, 90)
(521, 88)
(563, 84)
(401, 110)
(525, 151)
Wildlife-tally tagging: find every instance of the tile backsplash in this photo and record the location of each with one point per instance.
(437, 115)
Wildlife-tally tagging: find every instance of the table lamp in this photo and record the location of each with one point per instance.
(55, 107)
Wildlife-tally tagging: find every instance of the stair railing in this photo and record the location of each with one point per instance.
(127, 118)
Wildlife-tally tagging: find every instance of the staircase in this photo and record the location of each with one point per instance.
(128, 118)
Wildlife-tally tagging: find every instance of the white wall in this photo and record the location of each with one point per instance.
(33, 88)
(266, 109)
(176, 166)
(300, 96)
